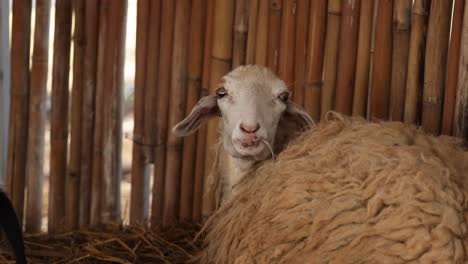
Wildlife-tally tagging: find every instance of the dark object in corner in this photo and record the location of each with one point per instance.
(10, 224)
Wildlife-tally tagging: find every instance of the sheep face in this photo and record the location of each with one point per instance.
(251, 101)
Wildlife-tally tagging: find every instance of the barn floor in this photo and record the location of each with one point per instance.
(111, 244)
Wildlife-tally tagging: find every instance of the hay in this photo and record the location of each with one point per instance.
(111, 244)
(349, 191)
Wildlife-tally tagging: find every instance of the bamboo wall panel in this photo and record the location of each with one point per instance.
(74, 165)
(461, 110)
(37, 116)
(382, 66)
(401, 35)
(435, 64)
(164, 80)
(347, 56)
(300, 50)
(59, 115)
(453, 63)
(417, 47)
(190, 186)
(178, 98)
(314, 63)
(18, 124)
(88, 114)
(363, 60)
(377, 59)
(331, 56)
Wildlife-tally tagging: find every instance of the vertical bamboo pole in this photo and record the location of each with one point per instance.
(261, 44)
(112, 136)
(452, 68)
(37, 115)
(74, 166)
(177, 104)
(89, 92)
(382, 66)
(401, 35)
(361, 84)
(372, 53)
(241, 24)
(194, 74)
(221, 55)
(435, 64)
(461, 109)
(300, 51)
(274, 31)
(252, 31)
(199, 186)
(4, 86)
(139, 159)
(164, 82)
(148, 13)
(314, 63)
(98, 160)
(347, 56)
(18, 126)
(417, 47)
(287, 43)
(330, 59)
(59, 115)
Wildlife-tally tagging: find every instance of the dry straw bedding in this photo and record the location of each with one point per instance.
(349, 191)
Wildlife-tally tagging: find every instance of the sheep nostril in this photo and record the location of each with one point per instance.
(249, 129)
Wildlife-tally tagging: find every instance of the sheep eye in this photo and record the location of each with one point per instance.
(284, 96)
(221, 92)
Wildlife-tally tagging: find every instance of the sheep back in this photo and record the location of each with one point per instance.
(349, 191)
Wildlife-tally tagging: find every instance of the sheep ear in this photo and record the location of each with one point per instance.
(299, 116)
(206, 108)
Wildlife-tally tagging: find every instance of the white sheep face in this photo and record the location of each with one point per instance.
(251, 101)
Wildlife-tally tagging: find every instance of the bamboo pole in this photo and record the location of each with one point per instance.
(361, 84)
(314, 63)
(461, 109)
(435, 64)
(199, 186)
(300, 51)
(74, 166)
(401, 35)
(252, 31)
(5, 87)
(261, 44)
(178, 100)
(417, 47)
(382, 65)
(98, 159)
(18, 126)
(164, 73)
(347, 56)
(148, 13)
(372, 53)
(287, 43)
(452, 68)
(37, 115)
(88, 114)
(113, 115)
(241, 24)
(59, 115)
(194, 74)
(274, 33)
(221, 55)
(330, 59)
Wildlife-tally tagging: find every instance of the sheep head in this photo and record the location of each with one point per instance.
(251, 101)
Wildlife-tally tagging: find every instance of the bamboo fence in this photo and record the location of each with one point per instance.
(377, 59)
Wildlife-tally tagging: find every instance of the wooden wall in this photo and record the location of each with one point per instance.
(383, 59)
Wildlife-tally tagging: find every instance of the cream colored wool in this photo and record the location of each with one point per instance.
(349, 191)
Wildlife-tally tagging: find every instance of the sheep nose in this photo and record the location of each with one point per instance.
(249, 129)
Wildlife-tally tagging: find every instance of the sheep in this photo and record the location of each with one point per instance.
(349, 191)
(10, 225)
(258, 119)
